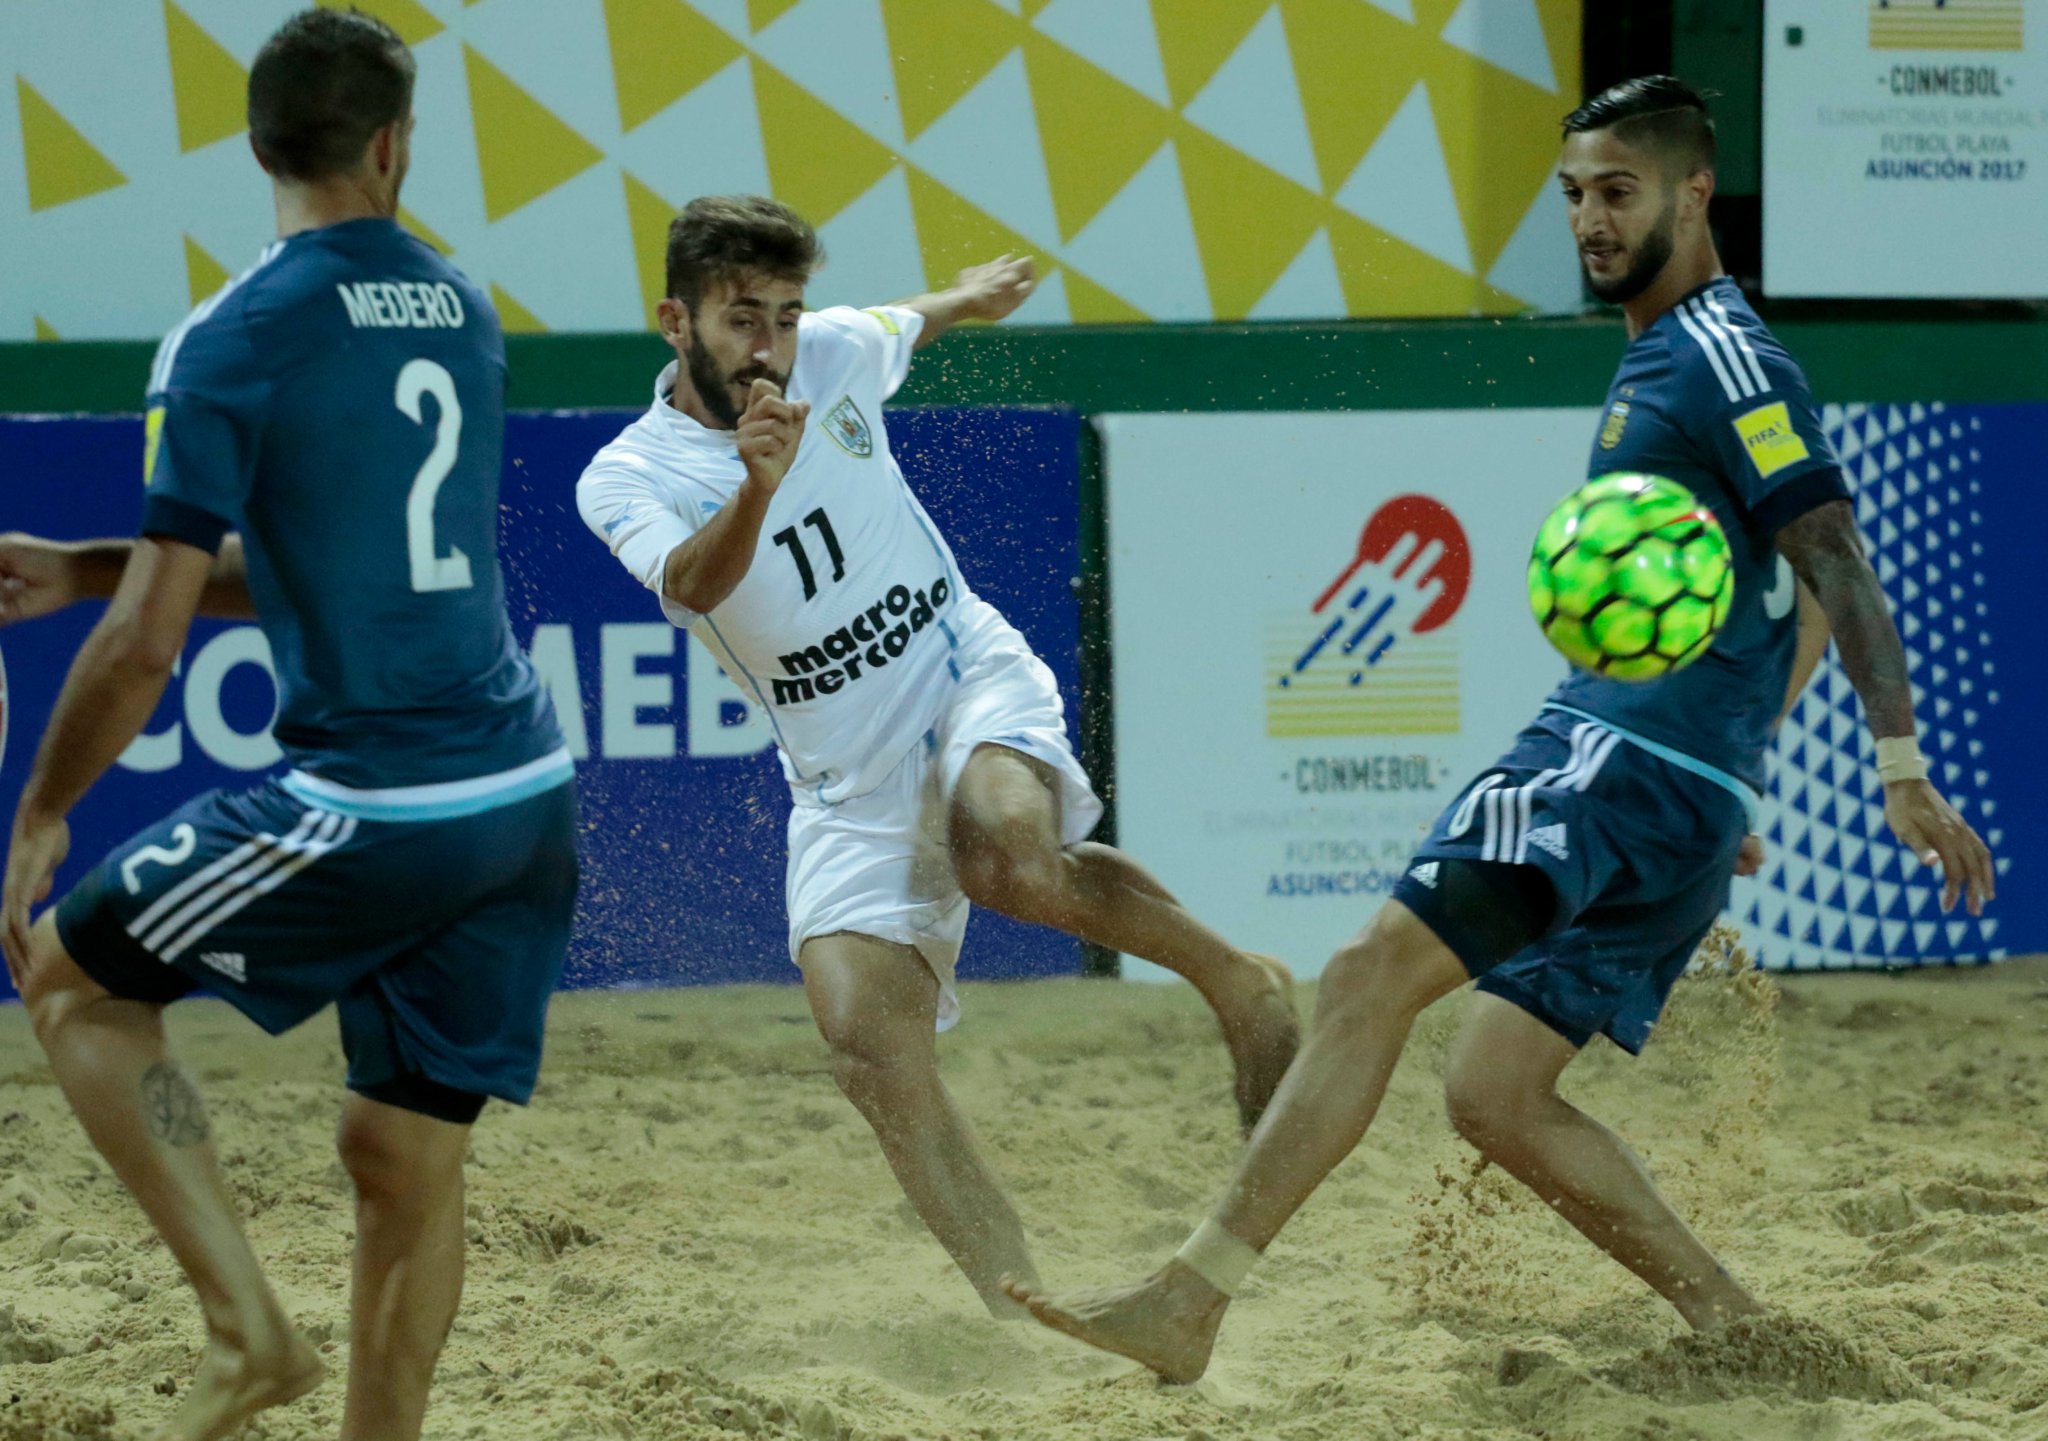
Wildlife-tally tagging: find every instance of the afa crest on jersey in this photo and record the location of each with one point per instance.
(1617, 418)
(849, 429)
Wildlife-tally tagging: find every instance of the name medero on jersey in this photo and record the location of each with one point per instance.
(845, 625)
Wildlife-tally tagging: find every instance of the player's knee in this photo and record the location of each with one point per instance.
(880, 1084)
(377, 1163)
(1372, 977)
(54, 990)
(1483, 1108)
(1024, 882)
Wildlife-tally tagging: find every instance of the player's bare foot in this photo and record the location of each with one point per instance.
(235, 1382)
(1263, 1032)
(1166, 1322)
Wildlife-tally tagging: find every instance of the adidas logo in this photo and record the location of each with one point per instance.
(1425, 874)
(231, 964)
(1551, 839)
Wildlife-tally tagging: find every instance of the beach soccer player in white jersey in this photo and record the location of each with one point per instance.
(925, 745)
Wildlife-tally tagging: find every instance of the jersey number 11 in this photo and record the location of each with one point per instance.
(788, 536)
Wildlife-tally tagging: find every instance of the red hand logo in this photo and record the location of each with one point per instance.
(1429, 573)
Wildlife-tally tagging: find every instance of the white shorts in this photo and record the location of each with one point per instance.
(878, 864)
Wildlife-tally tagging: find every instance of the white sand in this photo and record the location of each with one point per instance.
(691, 1235)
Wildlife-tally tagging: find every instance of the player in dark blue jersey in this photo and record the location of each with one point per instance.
(1576, 876)
(322, 450)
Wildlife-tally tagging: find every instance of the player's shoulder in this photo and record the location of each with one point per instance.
(212, 345)
(1720, 348)
(642, 455)
(847, 330)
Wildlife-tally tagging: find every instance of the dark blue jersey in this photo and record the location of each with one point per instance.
(342, 406)
(1707, 397)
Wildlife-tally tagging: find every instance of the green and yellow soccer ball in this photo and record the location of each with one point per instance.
(1631, 577)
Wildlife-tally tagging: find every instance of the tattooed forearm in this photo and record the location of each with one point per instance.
(1827, 555)
(172, 1106)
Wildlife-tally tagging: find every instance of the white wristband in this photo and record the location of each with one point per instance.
(1217, 1257)
(1899, 759)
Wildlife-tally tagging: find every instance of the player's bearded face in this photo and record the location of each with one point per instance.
(1646, 255)
(723, 384)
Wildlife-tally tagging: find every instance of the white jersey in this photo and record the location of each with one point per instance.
(845, 625)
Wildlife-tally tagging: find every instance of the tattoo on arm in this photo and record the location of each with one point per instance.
(172, 1106)
(1826, 553)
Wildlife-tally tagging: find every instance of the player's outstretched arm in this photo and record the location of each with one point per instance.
(40, 577)
(115, 682)
(982, 292)
(1826, 553)
(705, 569)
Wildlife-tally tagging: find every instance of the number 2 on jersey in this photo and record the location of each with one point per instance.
(430, 569)
(788, 536)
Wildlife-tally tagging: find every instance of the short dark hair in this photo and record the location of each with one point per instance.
(722, 237)
(1658, 112)
(321, 86)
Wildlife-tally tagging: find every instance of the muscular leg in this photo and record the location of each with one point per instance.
(407, 1170)
(1005, 837)
(1371, 994)
(145, 1117)
(875, 1003)
(1501, 1088)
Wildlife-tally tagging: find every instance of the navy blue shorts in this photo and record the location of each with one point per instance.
(439, 942)
(1638, 851)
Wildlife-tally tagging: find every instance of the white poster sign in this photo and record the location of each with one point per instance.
(1321, 631)
(1906, 148)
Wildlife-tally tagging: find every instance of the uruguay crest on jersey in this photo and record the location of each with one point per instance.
(849, 429)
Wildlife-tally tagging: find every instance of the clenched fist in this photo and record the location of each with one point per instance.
(770, 430)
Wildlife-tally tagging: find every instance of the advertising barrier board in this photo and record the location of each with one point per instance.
(1279, 753)
(1903, 148)
(683, 803)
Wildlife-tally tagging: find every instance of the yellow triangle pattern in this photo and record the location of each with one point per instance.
(1197, 36)
(514, 318)
(209, 85)
(522, 149)
(661, 51)
(1326, 37)
(1242, 257)
(45, 330)
(1097, 132)
(62, 164)
(647, 216)
(412, 20)
(818, 162)
(942, 49)
(204, 276)
(952, 234)
(1090, 304)
(424, 231)
(1353, 65)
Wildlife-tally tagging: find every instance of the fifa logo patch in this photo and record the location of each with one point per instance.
(849, 429)
(1768, 436)
(1617, 419)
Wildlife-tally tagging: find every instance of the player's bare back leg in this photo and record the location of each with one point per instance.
(1501, 1090)
(875, 1003)
(146, 1118)
(1005, 836)
(1375, 987)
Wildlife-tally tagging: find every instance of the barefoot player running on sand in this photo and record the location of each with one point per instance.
(1574, 878)
(925, 745)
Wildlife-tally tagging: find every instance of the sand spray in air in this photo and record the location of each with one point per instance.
(1696, 1105)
